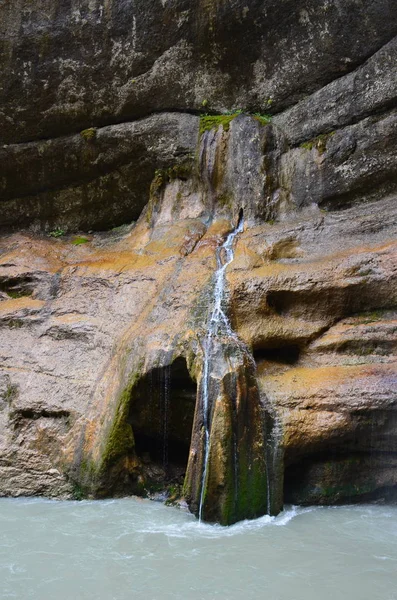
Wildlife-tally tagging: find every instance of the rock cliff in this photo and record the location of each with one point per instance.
(135, 135)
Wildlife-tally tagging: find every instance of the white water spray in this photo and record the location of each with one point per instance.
(217, 322)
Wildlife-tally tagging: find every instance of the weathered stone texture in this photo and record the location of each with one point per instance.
(70, 65)
(98, 178)
(100, 125)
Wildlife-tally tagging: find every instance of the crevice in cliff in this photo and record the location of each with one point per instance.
(331, 129)
(84, 130)
(18, 286)
(355, 66)
(287, 354)
(101, 122)
(30, 414)
(373, 188)
(105, 123)
(135, 114)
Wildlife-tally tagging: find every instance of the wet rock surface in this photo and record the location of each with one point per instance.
(315, 310)
(101, 354)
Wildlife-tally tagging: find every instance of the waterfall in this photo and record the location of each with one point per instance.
(231, 463)
(218, 323)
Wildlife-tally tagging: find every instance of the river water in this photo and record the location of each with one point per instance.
(141, 550)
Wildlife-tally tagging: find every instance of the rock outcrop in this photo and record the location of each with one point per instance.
(116, 192)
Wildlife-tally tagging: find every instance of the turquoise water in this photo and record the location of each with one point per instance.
(141, 550)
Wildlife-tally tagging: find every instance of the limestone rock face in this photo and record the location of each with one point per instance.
(98, 178)
(116, 194)
(75, 69)
(71, 65)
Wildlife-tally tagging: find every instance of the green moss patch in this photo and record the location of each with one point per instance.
(14, 294)
(164, 176)
(208, 122)
(14, 323)
(319, 143)
(79, 240)
(89, 134)
(120, 440)
(78, 492)
(225, 200)
(371, 317)
(181, 171)
(121, 437)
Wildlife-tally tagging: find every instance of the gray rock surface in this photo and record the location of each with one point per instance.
(98, 178)
(353, 164)
(371, 89)
(71, 72)
(67, 66)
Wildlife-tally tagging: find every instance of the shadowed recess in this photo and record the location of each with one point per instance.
(161, 416)
(334, 477)
(288, 354)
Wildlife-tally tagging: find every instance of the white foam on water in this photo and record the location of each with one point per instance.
(199, 529)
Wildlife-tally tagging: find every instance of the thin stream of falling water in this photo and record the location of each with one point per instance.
(217, 318)
(166, 408)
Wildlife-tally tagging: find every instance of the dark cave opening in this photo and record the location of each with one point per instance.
(161, 416)
(151, 450)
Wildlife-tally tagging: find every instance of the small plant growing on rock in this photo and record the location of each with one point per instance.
(88, 135)
(11, 392)
(57, 232)
(262, 118)
(14, 323)
(268, 102)
(78, 492)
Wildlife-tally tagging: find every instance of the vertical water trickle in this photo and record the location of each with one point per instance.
(231, 446)
(274, 462)
(218, 321)
(166, 409)
(167, 384)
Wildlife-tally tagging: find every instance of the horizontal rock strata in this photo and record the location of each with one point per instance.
(134, 136)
